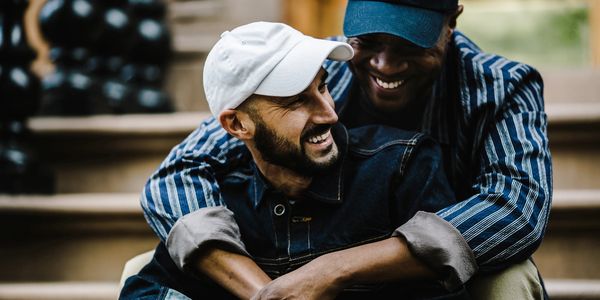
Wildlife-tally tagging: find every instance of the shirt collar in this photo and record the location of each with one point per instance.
(257, 187)
(326, 187)
(440, 111)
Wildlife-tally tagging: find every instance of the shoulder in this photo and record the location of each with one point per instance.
(381, 149)
(487, 78)
(374, 139)
(208, 142)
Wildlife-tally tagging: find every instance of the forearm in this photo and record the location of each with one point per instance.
(326, 276)
(383, 261)
(203, 229)
(236, 273)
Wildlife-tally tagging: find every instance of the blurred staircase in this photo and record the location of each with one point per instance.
(568, 257)
(73, 245)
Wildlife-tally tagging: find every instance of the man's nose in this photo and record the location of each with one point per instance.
(388, 62)
(323, 111)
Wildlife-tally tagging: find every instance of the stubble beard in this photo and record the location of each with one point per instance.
(279, 151)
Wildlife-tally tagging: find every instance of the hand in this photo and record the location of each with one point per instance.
(314, 280)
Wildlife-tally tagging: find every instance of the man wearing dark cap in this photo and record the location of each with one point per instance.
(413, 70)
(300, 198)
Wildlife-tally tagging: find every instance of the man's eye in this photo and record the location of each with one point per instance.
(322, 87)
(364, 43)
(297, 102)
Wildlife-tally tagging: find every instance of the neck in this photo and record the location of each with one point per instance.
(283, 179)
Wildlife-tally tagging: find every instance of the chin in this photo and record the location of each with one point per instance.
(389, 105)
(326, 160)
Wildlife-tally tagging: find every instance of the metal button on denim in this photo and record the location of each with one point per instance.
(279, 210)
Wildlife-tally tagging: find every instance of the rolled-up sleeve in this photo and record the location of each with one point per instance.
(442, 247)
(194, 231)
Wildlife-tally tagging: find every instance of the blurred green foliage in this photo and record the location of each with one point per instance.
(541, 33)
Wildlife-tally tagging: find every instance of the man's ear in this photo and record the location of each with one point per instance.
(237, 123)
(453, 16)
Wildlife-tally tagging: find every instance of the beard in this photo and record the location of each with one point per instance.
(277, 150)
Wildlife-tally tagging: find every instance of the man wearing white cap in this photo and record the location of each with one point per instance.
(308, 193)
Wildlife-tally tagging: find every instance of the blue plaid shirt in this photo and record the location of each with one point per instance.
(487, 112)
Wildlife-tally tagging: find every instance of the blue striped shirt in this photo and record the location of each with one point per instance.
(487, 112)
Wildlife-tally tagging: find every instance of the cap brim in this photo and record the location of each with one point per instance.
(419, 26)
(297, 70)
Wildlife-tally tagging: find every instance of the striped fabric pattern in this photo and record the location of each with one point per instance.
(509, 173)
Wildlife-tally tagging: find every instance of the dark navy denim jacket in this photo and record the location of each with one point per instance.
(384, 176)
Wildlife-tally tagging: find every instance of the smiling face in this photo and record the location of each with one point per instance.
(394, 73)
(295, 132)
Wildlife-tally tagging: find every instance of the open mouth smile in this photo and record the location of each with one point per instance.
(388, 85)
(318, 139)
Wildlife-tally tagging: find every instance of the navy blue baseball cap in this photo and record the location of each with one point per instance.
(418, 21)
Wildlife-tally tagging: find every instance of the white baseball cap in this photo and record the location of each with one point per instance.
(270, 59)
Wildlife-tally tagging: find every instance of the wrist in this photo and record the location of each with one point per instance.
(335, 271)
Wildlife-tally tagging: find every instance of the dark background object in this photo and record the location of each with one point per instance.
(70, 28)
(20, 169)
(110, 57)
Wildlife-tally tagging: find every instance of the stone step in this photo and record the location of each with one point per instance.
(574, 133)
(571, 85)
(570, 246)
(70, 237)
(59, 291)
(561, 116)
(571, 289)
(124, 150)
(100, 154)
(73, 237)
(126, 205)
(558, 289)
(565, 114)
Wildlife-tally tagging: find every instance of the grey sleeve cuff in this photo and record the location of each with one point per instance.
(193, 231)
(441, 247)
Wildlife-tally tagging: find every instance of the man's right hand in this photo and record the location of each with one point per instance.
(315, 280)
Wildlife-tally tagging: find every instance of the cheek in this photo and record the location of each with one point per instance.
(291, 125)
(429, 63)
(359, 58)
(355, 61)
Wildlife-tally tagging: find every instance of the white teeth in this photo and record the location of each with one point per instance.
(319, 138)
(388, 85)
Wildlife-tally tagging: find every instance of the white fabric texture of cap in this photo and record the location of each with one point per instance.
(270, 59)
